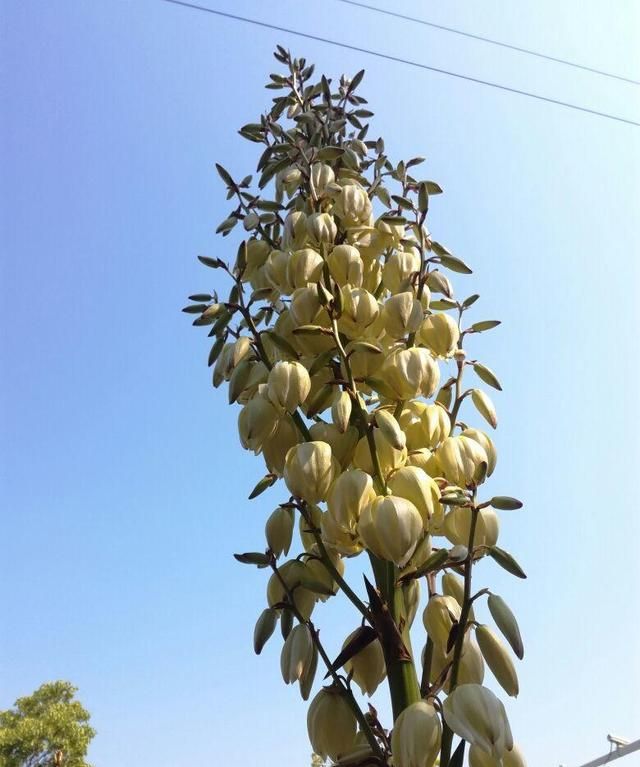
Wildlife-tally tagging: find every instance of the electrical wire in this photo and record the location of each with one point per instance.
(528, 51)
(400, 60)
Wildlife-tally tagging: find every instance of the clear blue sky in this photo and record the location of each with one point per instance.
(123, 485)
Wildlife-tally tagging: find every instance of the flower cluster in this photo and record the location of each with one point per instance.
(345, 349)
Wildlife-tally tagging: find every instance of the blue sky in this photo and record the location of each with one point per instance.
(123, 484)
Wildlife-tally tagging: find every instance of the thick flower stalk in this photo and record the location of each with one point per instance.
(347, 354)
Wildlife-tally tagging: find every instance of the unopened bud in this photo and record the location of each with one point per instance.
(331, 724)
(279, 531)
(390, 527)
(498, 660)
(474, 713)
(288, 385)
(440, 333)
(367, 667)
(415, 741)
(309, 471)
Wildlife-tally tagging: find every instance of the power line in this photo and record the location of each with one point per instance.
(489, 40)
(399, 60)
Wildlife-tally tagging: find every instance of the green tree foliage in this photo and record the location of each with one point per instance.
(43, 724)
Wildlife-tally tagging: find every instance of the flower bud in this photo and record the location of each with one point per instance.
(461, 460)
(331, 724)
(420, 459)
(290, 178)
(319, 572)
(279, 531)
(343, 540)
(275, 449)
(506, 622)
(389, 231)
(275, 268)
(439, 283)
(485, 406)
(309, 471)
(304, 266)
(342, 445)
(399, 267)
(349, 494)
(437, 424)
(321, 228)
(513, 758)
(341, 411)
(457, 526)
(390, 429)
(359, 310)
(297, 654)
(390, 527)
(265, 626)
(367, 667)
(474, 713)
(485, 441)
(352, 205)
(440, 333)
(498, 660)
(415, 741)
(288, 385)
(453, 586)
(439, 616)
(345, 265)
(389, 458)
(409, 373)
(402, 314)
(295, 231)
(291, 573)
(298, 659)
(418, 487)
(257, 421)
(257, 253)
(321, 175)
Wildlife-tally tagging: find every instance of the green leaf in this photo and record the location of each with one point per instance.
(266, 482)
(506, 561)
(224, 175)
(433, 188)
(328, 153)
(212, 263)
(200, 297)
(227, 225)
(194, 308)
(356, 80)
(253, 558)
(487, 375)
(442, 304)
(455, 264)
(321, 360)
(423, 198)
(480, 327)
(470, 301)
(215, 350)
(362, 637)
(309, 330)
(505, 503)
(433, 562)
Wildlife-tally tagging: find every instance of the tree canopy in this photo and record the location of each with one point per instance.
(48, 727)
